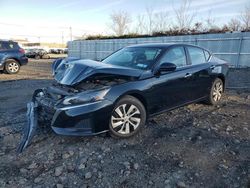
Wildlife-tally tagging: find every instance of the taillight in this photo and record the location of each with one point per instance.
(21, 51)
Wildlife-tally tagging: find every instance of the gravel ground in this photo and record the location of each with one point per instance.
(193, 146)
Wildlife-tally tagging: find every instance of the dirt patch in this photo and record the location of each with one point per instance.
(193, 146)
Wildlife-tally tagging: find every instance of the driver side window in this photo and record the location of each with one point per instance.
(176, 56)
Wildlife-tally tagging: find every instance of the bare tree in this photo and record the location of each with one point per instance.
(140, 27)
(234, 25)
(198, 27)
(150, 20)
(210, 22)
(245, 18)
(161, 21)
(119, 22)
(184, 16)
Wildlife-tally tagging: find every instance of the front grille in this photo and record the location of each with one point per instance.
(84, 124)
(45, 109)
(45, 114)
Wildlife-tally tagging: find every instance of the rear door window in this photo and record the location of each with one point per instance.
(176, 56)
(197, 55)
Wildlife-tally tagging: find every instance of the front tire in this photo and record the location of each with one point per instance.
(127, 118)
(215, 92)
(12, 66)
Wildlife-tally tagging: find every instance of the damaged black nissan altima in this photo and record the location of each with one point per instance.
(121, 92)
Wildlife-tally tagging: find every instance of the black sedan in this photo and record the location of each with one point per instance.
(37, 54)
(120, 93)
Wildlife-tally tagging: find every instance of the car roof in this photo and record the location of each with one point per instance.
(2, 40)
(162, 45)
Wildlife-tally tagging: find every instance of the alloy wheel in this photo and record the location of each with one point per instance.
(13, 67)
(125, 119)
(217, 91)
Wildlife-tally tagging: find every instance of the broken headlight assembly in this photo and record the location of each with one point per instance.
(86, 97)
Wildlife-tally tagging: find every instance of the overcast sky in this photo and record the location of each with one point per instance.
(49, 20)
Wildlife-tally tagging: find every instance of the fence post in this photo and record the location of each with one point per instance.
(80, 49)
(95, 50)
(113, 43)
(239, 51)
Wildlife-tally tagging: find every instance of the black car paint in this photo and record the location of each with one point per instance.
(158, 92)
(37, 54)
(73, 72)
(173, 89)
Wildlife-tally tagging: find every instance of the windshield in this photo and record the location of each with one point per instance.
(134, 57)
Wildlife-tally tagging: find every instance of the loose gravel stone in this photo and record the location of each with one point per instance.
(58, 170)
(181, 184)
(23, 170)
(127, 165)
(59, 186)
(37, 180)
(136, 166)
(32, 165)
(65, 155)
(88, 175)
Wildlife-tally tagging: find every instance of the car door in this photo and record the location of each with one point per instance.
(171, 89)
(200, 72)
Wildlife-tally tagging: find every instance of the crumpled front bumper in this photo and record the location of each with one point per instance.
(79, 120)
(31, 126)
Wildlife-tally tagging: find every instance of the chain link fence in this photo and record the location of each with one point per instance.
(232, 47)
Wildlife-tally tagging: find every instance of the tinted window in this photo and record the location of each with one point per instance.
(196, 55)
(1, 46)
(176, 56)
(11, 45)
(138, 57)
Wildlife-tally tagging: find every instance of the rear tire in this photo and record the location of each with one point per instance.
(12, 66)
(127, 118)
(216, 92)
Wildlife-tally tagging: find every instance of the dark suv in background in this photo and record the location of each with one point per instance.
(11, 56)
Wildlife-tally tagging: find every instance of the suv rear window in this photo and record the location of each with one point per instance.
(8, 45)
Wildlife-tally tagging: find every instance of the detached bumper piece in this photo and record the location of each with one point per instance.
(31, 126)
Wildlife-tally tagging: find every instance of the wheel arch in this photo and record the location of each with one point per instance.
(222, 77)
(136, 94)
(12, 58)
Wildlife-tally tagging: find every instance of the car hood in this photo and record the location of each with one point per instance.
(71, 71)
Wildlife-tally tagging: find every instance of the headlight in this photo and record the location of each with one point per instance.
(86, 97)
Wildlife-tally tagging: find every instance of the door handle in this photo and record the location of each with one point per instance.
(188, 75)
(212, 67)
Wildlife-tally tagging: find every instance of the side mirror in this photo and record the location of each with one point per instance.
(166, 67)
